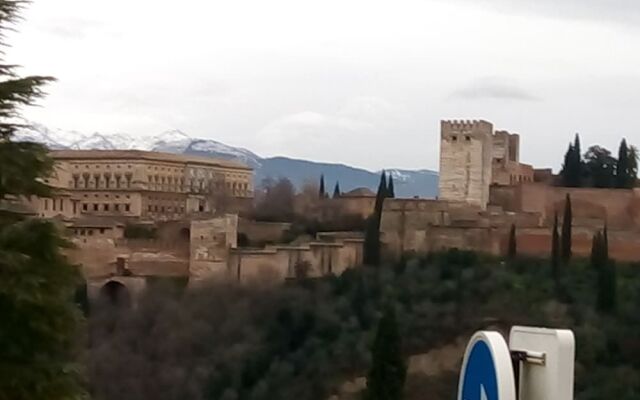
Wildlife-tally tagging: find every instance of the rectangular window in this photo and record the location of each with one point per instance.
(61, 204)
(53, 204)
(116, 207)
(85, 207)
(127, 207)
(106, 207)
(46, 204)
(75, 207)
(95, 207)
(102, 231)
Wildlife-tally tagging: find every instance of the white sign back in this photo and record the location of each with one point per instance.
(552, 378)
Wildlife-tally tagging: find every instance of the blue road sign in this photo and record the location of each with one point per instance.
(487, 373)
(480, 381)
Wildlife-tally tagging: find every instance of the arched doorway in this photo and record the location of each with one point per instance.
(185, 234)
(115, 294)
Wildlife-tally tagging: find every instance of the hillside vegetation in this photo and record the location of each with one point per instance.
(303, 340)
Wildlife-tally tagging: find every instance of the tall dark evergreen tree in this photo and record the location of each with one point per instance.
(386, 378)
(512, 251)
(566, 172)
(606, 290)
(391, 191)
(573, 168)
(38, 320)
(336, 190)
(555, 248)
(623, 178)
(605, 238)
(321, 190)
(633, 165)
(372, 230)
(567, 231)
(595, 249)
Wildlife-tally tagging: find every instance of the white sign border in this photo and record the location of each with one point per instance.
(501, 360)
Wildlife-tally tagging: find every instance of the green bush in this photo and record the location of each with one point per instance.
(305, 338)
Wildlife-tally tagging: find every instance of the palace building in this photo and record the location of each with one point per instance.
(142, 184)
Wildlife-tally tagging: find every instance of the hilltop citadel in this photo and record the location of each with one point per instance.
(197, 208)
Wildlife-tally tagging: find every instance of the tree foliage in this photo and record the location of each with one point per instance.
(372, 248)
(599, 168)
(386, 377)
(567, 231)
(555, 248)
(305, 339)
(322, 193)
(275, 203)
(572, 169)
(606, 286)
(391, 191)
(512, 250)
(39, 322)
(336, 190)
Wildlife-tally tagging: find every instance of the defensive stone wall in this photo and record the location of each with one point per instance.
(277, 263)
(619, 208)
(211, 241)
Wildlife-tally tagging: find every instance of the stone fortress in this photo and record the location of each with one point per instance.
(484, 190)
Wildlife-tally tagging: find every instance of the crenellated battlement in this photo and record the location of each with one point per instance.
(465, 125)
(478, 128)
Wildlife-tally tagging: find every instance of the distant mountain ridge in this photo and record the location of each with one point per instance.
(408, 183)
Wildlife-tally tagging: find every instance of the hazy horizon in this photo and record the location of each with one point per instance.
(359, 83)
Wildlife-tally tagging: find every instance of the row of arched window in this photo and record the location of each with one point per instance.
(105, 180)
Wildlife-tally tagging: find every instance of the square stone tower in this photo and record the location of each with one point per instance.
(466, 154)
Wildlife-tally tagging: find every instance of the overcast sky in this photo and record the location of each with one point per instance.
(359, 82)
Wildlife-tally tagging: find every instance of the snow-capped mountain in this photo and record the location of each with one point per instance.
(172, 141)
(408, 183)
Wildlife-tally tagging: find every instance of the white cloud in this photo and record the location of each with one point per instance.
(493, 88)
(362, 82)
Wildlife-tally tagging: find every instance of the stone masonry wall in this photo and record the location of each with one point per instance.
(466, 153)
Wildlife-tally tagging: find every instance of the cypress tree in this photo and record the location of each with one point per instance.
(605, 238)
(336, 190)
(577, 164)
(573, 168)
(595, 248)
(372, 231)
(513, 245)
(386, 377)
(321, 191)
(633, 165)
(623, 174)
(555, 248)
(606, 272)
(39, 321)
(566, 172)
(567, 231)
(391, 192)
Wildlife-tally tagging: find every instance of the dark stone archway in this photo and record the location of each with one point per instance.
(115, 294)
(185, 234)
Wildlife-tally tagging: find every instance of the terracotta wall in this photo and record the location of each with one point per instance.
(623, 246)
(591, 207)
